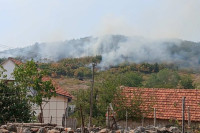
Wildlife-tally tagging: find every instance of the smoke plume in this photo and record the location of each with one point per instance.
(115, 49)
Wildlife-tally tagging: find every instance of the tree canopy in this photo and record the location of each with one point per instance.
(14, 105)
(31, 80)
(163, 79)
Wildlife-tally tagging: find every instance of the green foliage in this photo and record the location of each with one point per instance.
(83, 72)
(106, 89)
(14, 105)
(131, 79)
(132, 106)
(79, 62)
(163, 79)
(30, 80)
(71, 66)
(187, 82)
(146, 68)
(2, 60)
(82, 102)
(156, 67)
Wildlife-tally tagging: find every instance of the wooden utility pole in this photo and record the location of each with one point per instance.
(91, 95)
(183, 114)
(126, 120)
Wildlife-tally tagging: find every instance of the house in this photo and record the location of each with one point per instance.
(167, 103)
(9, 65)
(56, 108)
(53, 109)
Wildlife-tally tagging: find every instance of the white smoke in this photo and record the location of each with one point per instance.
(115, 49)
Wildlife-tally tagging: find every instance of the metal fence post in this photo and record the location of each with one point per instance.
(183, 114)
(154, 117)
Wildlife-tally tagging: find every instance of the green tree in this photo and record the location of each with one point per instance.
(83, 72)
(82, 104)
(2, 60)
(14, 104)
(106, 89)
(30, 80)
(163, 79)
(131, 79)
(132, 104)
(187, 82)
(104, 92)
(156, 67)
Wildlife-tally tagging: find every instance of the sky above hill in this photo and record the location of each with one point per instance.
(24, 22)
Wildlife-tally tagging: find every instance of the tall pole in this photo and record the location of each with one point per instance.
(183, 114)
(91, 95)
(126, 120)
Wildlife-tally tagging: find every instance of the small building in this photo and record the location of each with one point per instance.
(167, 103)
(53, 109)
(9, 66)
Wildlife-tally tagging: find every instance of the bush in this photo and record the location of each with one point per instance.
(187, 82)
(163, 79)
(14, 106)
(131, 79)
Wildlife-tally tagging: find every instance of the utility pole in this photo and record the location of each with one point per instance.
(126, 120)
(91, 96)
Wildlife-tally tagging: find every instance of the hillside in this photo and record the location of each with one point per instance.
(75, 74)
(69, 62)
(114, 49)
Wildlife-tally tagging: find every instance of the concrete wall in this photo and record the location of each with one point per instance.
(9, 66)
(159, 123)
(146, 122)
(54, 109)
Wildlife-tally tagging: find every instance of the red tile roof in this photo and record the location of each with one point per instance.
(17, 62)
(58, 89)
(168, 102)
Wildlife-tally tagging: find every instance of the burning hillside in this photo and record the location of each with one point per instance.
(115, 49)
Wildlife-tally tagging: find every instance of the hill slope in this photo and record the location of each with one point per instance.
(115, 49)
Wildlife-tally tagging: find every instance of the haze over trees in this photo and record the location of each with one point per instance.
(114, 50)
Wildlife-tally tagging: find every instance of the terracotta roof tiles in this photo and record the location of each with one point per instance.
(17, 62)
(168, 102)
(58, 89)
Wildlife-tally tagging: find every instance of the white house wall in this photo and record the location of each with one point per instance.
(55, 108)
(9, 66)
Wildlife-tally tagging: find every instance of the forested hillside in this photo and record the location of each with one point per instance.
(114, 50)
(75, 72)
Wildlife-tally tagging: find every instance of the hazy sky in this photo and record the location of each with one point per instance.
(24, 22)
